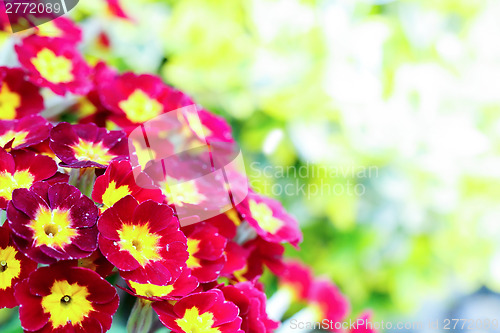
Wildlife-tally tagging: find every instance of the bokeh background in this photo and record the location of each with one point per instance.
(384, 116)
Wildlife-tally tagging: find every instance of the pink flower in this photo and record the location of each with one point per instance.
(54, 63)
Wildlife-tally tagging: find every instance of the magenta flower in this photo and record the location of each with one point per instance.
(51, 223)
(86, 145)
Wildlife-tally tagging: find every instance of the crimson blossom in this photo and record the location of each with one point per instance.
(54, 63)
(86, 145)
(143, 241)
(63, 298)
(51, 223)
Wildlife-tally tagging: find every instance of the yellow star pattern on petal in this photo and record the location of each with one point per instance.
(52, 228)
(10, 182)
(151, 290)
(92, 151)
(264, 216)
(56, 69)
(194, 322)
(67, 303)
(139, 107)
(113, 194)
(142, 244)
(9, 102)
(10, 267)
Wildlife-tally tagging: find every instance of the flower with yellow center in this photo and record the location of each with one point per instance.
(9, 102)
(92, 151)
(53, 68)
(264, 216)
(10, 267)
(139, 107)
(9, 182)
(194, 322)
(52, 228)
(142, 244)
(67, 303)
(143, 241)
(65, 298)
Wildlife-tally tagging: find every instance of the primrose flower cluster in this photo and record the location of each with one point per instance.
(82, 207)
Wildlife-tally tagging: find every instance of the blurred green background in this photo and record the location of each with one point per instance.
(397, 100)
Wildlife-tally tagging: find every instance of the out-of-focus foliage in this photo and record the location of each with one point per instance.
(400, 97)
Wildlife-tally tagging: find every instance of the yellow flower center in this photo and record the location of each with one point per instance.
(150, 290)
(49, 29)
(139, 107)
(10, 267)
(19, 138)
(10, 182)
(56, 69)
(264, 216)
(67, 303)
(196, 126)
(9, 102)
(91, 151)
(85, 107)
(113, 194)
(239, 273)
(232, 214)
(52, 228)
(193, 247)
(144, 155)
(183, 193)
(142, 244)
(194, 322)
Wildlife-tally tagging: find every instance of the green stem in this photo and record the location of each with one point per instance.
(3, 217)
(141, 317)
(83, 179)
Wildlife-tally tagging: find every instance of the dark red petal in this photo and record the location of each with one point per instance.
(7, 299)
(6, 162)
(83, 211)
(104, 312)
(27, 202)
(113, 218)
(34, 253)
(18, 222)
(100, 290)
(121, 259)
(86, 239)
(30, 310)
(202, 301)
(157, 215)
